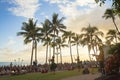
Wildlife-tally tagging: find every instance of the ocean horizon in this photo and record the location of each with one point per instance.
(14, 63)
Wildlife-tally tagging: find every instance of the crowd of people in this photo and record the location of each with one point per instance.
(16, 69)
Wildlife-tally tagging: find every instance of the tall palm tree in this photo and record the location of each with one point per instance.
(56, 27)
(110, 13)
(89, 36)
(31, 34)
(61, 43)
(68, 35)
(76, 41)
(96, 43)
(112, 35)
(46, 36)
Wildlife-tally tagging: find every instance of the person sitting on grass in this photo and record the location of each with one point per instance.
(86, 70)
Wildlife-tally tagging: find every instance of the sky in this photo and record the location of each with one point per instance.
(77, 13)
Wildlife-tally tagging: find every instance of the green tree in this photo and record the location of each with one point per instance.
(56, 27)
(76, 41)
(31, 33)
(90, 36)
(115, 4)
(68, 35)
(61, 43)
(110, 13)
(114, 11)
(46, 36)
(112, 36)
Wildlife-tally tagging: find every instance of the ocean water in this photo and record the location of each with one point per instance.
(14, 63)
(4, 63)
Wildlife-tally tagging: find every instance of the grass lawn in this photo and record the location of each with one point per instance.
(43, 76)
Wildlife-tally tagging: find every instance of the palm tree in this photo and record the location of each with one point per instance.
(31, 34)
(112, 35)
(56, 27)
(89, 36)
(110, 13)
(115, 4)
(76, 41)
(96, 43)
(68, 35)
(49, 41)
(61, 43)
(46, 36)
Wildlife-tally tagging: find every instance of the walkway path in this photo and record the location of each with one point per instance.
(84, 77)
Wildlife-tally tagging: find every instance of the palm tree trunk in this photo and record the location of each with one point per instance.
(71, 52)
(78, 58)
(46, 53)
(116, 26)
(90, 45)
(57, 58)
(96, 48)
(94, 52)
(49, 54)
(60, 55)
(93, 49)
(35, 51)
(54, 47)
(89, 53)
(57, 54)
(32, 53)
(77, 50)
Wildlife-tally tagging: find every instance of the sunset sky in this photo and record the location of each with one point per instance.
(77, 13)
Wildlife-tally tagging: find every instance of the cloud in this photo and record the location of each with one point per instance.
(15, 48)
(94, 18)
(58, 1)
(24, 8)
(19, 50)
(74, 8)
(11, 54)
(11, 42)
(81, 13)
(5, 51)
(43, 14)
(90, 3)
